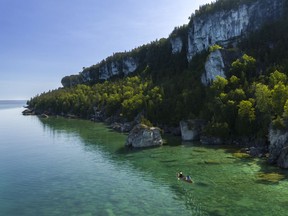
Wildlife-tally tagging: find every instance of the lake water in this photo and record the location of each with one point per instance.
(59, 166)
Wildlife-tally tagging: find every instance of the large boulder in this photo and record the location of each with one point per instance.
(278, 141)
(143, 136)
(191, 129)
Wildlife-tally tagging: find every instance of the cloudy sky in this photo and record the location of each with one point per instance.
(42, 41)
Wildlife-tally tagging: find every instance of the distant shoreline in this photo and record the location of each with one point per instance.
(7, 104)
(12, 100)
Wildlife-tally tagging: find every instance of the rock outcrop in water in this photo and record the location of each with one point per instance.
(28, 112)
(191, 129)
(278, 148)
(142, 136)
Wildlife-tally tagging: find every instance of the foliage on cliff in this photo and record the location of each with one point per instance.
(246, 104)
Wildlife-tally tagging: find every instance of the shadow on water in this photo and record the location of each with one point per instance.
(270, 174)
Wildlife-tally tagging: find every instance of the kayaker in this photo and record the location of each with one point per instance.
(184, 178)
(180, 175)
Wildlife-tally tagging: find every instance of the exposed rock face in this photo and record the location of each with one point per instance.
(218, 64)
(278, 143)
(129, 65)
(191, 129)
(214, 67)
(176, 44)
(104, 72)
(124, 66)
(143, 136)
(224, 27)
(86, 76)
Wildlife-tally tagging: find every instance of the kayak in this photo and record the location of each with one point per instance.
(185, 179)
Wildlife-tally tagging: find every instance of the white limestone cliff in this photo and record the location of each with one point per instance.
(129, 65)
(224, 27)
(176, 44)
(126, 66)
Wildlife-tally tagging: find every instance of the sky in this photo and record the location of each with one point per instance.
(41, 41)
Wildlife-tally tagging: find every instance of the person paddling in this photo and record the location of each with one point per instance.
(184, 178)
(180, 175)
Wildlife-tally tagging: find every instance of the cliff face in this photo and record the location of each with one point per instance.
(125, 66)
(214, 67)
(176, 44)
(224, 27)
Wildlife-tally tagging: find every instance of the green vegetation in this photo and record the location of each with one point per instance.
(215, 47)
(127, 97)
(246, 104)
(220, 5)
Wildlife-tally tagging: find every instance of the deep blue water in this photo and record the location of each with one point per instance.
(59, 166)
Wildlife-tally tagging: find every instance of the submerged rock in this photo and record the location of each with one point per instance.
(143, 136)
(271, 177)
(241, 155)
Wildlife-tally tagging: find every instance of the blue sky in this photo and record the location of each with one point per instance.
(42, 41)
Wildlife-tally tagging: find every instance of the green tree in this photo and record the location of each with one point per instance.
(277, 77)
(219, 84)
(263, 98)
(279, 97)
(285, 113)
(245, 123)
(244, 68)
(246, 110)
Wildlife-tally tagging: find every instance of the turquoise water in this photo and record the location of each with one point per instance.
(59, 166)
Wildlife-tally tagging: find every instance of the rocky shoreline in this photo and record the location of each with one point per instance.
(139, 134)
(275, 149)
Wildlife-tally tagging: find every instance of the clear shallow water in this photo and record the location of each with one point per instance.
(58, 166)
